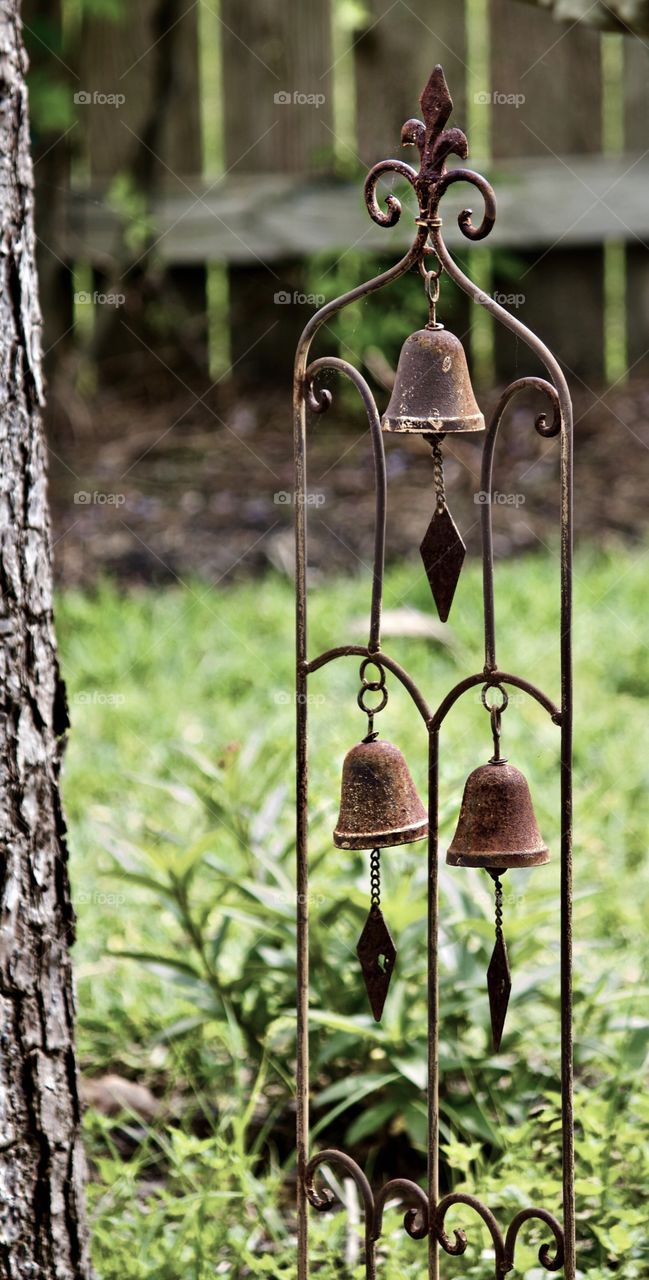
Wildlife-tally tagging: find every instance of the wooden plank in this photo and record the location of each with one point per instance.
(277, 85)
(395, 50)
(555, 68)
(546, 99)
(148, 61)
(278, 109)
(278, 217)
(636, 99)
(142, 123)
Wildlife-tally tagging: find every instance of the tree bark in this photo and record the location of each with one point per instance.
(42, 1231)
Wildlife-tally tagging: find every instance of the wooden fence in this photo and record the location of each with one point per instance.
(218, 147)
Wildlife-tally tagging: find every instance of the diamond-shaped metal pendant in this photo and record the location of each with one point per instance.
(499, 982)
(377, 954)
(443, 552)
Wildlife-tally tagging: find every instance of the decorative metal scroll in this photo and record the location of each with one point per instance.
(427, 1213)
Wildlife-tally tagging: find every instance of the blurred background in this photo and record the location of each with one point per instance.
(199, 171)
(199, 181)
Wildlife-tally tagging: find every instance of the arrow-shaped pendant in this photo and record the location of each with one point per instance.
(443, 552)
(499, 982)
(377, 954)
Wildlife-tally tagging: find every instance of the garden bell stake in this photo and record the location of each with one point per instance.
(497, 829)
(432, 396)
(379, 807)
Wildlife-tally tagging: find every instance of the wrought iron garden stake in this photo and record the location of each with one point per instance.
(432, 396)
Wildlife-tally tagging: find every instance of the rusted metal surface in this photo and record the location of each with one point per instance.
(499, 978)
(442, 551)
(377, 954)
(432, 390)
(379, 805)
(497, 826)
(504, 1246)
(427, 1214)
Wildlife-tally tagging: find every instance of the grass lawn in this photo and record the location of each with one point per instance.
(178, 794)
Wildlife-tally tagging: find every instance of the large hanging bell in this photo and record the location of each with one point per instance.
(432, 390)
(497, 827)
(379, 804)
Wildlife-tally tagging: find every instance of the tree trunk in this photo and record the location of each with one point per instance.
(42, 1233)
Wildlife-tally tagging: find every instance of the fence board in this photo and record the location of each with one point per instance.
(414, 36)
(277, 217)
(150, 58)
(636, 100)
(281, 47)
(394, 52)
(542, 62)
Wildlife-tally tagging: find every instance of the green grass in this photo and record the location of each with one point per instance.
(179, 797)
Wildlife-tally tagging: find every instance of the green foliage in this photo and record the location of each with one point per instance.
(179, 794)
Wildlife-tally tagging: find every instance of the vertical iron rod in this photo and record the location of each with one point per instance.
(567, 1048)
(433, 1001)
(302, 866)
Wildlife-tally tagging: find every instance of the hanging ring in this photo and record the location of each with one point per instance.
(426, 272)
(491, 706)
(372, 686)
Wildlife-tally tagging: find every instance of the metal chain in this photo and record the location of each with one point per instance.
(438, 462)
(375, 878)
(431, 285)
(499, 907)
(372, 686)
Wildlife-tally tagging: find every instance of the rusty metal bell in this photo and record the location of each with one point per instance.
(497, 827)
(379, 804)
(432, 390)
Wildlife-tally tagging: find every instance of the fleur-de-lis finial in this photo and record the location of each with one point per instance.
(436, 103)
(435, 144)
(433, 141)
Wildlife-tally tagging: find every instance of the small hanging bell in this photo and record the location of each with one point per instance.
(379, 804)
(432, 389)
(497, 827)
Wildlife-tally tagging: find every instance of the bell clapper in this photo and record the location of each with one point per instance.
(376, 950)
(442, 549)
(499, 981)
